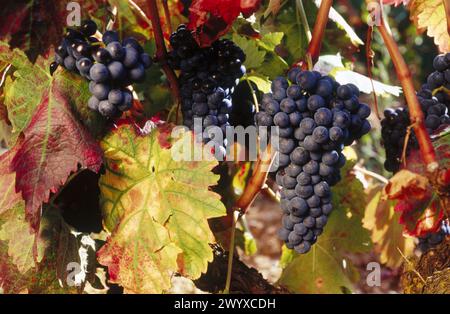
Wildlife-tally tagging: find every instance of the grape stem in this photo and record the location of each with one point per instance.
(231, 254)
(319, 30)
(303, 19)
(257, 181)
(167, 16)
(415, 112)
(161, 51)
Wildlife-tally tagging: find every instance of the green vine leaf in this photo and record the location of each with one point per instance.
(23, 91)
(269, 41)
(255, 56)
(157, 210)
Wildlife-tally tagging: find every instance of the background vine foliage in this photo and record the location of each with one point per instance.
(88, 178)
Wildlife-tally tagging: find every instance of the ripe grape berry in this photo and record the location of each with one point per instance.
(207, 79)
(435, 104)
(110, 66)
(316, 117)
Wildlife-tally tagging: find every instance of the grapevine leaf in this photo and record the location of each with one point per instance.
(126, 17)
(262, 83)
(431, 15)
(273, 65)
(23, 93)
(332, 65)
(214, 20)
(254, 56)
(11, 281)
(383, 222)
(53, 252)
(316, 272)
(325, 269)
(270, 40)
(420, 208)
(295, 41)
(406, 183)
(342, 24)
(34, 26)
(8, 195)
(16, 231)
(157, 209)
(54, 145)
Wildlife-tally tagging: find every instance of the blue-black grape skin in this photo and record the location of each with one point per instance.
(208, 76)
(108, 65)
(435, 106)
(100, 91)
(323, 116)
(93, 103)
(131, 57)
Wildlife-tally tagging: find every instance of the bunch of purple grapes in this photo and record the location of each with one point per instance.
(207, 79)
(110, 66)
(316, 117)
(435, 103)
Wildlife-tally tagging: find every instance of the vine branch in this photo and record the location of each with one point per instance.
(257, 180)
(415, 112)
(167, 16)
(161, 51)
(319, 30)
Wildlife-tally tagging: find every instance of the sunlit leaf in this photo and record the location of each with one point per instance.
(157, 210)
(431, 15)
(386, 231)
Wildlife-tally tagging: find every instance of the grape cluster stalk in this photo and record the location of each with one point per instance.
(434, 99)
(208, 76)
(316, 117)
(110, 65)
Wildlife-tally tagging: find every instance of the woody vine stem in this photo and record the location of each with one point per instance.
(161, 51)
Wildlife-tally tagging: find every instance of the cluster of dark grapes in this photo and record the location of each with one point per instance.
(433, 239)
(207, 79)
(435, 104)
(316, 117)
(109, 65)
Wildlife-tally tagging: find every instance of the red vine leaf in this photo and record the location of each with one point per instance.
(211, 20)
(34, 26)
(405, 184)
(54, 145)
(419, 207)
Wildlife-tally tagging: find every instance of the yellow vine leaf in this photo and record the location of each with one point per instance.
(157, 210)
(386, 232)
(430, 15)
